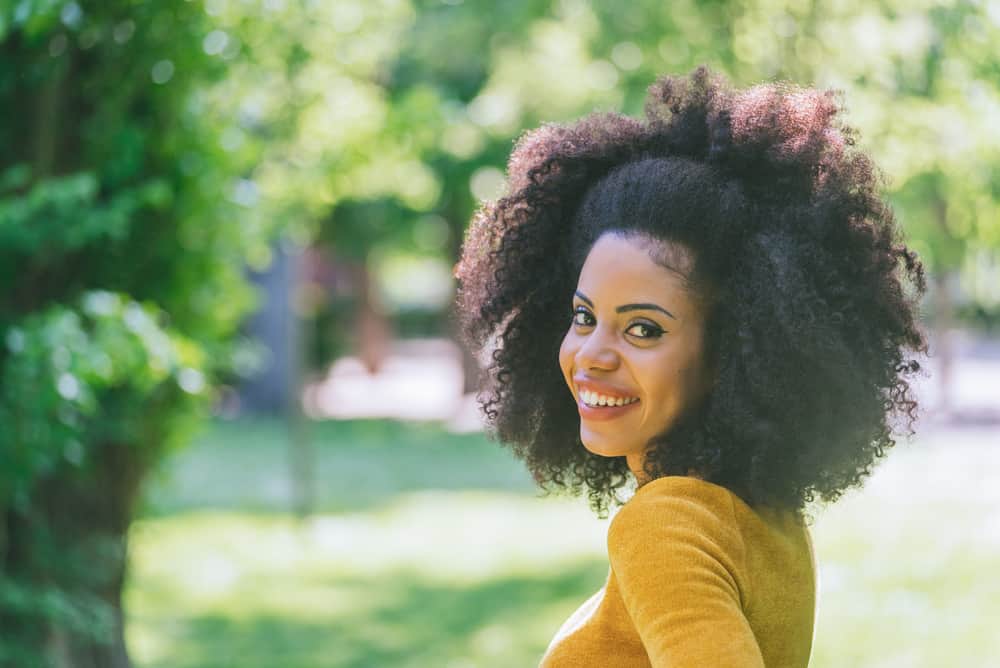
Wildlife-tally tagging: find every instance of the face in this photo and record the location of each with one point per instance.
(636, 336)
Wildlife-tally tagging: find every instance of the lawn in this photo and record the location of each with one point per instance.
(432, 549)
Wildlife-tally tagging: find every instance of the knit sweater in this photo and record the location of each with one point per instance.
(698, 579)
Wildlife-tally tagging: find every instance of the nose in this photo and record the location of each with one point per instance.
(597, 352)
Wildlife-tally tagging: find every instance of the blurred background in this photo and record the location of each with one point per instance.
(235, 428)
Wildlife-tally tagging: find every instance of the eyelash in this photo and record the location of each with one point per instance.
(656, 331)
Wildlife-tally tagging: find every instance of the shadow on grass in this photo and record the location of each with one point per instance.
(405, 621)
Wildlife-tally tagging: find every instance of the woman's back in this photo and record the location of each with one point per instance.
(697, 578)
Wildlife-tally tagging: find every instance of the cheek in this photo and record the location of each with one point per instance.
(690, 382)
(659, 378)
(695, 373)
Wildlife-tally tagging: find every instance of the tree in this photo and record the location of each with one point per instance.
(123, 237)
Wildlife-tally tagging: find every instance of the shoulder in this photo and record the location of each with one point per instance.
(677, 519)
(679, 501)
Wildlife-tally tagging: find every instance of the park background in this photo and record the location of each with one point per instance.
(235, 429)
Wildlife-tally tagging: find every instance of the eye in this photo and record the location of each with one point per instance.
(653, 332)
(578, 311)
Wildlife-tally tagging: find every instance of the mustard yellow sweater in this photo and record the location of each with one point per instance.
(698, 579)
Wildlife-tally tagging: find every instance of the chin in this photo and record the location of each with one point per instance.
(603, 448)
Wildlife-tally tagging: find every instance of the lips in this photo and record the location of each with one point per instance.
(601, 413)
(607, 389)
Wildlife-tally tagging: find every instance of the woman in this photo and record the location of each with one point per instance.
(714, 302)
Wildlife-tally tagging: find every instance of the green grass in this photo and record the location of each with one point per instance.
(244, 465)
(431, 549)
(907, 565)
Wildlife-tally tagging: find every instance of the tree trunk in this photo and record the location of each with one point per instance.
(472, 373)
(943, 323)
(74, 538)
(943, 310)
(301, 458)
(374, 334)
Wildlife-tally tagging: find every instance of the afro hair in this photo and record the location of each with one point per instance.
(811, 294)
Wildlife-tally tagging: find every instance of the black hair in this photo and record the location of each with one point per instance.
(810, 293)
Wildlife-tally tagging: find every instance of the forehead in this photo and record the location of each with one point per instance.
(635, 262)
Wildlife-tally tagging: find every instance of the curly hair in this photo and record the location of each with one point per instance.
(811, 295)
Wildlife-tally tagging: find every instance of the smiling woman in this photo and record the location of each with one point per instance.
(640, 353)
(715, 304)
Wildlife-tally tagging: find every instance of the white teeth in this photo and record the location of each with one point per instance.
(595, 399)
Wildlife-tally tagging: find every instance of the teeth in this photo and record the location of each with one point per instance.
(595, 399)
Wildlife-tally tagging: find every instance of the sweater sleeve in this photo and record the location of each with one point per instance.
(677, 554)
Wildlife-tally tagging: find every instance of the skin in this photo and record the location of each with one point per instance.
(656, 357)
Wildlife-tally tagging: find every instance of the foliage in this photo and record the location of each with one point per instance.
(97, 372)
(920, 81)
(380, 126)
(124, 230)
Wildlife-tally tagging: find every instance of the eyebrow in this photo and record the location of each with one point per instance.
(629, 307)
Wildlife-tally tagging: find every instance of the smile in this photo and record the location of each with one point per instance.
(599, 412)
(596, 400)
